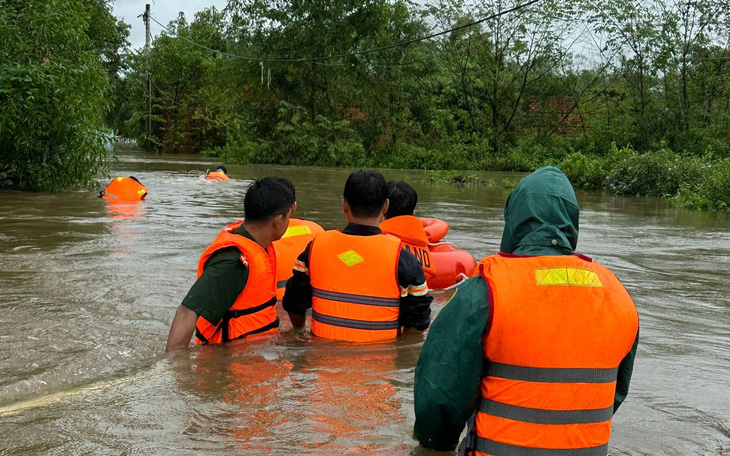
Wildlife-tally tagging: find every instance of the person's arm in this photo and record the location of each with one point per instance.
(415, 301)
(298, 293)
(449, 370)
(182, 328)
(625, 369)
(215, 291)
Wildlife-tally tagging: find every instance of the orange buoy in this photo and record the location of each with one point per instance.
(435, 229)
(217, 176)
(124, 188)
(450, 262)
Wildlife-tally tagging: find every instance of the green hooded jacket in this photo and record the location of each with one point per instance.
(541, 218)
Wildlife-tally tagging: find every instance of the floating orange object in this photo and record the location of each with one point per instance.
(450, 262)
(124, 188)
(435, 229)
(217, 176)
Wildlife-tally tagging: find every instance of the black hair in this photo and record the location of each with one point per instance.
(266, 198)
(288, 184)
(366, 193)
(224, 169)
(403, 199)
(134, 179)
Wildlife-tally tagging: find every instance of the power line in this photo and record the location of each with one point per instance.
(206, 47)
(356, 53)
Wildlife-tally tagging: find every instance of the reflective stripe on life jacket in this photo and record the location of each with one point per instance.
(559, 328)
(217, 176)
(355, 290)
(413, 238)
(254, 311)
(288, 248)
(124, 188)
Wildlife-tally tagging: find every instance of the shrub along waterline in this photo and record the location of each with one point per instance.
(696, 182)
(690, 181)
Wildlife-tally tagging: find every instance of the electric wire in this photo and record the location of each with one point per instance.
(356, 53)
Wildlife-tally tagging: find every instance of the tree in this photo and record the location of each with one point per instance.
(496, 64)
(52, 93)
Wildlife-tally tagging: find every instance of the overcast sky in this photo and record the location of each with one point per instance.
(162, 10)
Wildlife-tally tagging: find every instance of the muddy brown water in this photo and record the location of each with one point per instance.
(89, 290)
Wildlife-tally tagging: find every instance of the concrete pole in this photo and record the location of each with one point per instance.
(148, 84)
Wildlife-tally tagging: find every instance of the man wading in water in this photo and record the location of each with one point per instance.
(235, 293)
(361, 285)
(400, 221)
(541, 344)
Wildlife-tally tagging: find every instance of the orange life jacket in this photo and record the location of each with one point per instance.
(288, 248)
(254, 311)
(124, 188)
(355, 290)
(217, 176)
(413, 238)
(558, 330)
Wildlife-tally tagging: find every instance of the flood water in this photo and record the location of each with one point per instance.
(89, 291)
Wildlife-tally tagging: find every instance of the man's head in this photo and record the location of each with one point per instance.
(222, 169)
(268, 204)
(288, 184)
(402, 199)
(541, 215)
(365, 195)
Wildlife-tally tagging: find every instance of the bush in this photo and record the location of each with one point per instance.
(689, 198)
(715, 184)
(660, 173)
(582, 171)
(456, 177)
(52, 95)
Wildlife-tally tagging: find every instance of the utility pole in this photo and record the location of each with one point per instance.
(148, 85)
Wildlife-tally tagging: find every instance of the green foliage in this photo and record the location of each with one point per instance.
(52, 93)
(510, 183)
(510, 94)
(715, 184)
(456, 177)
(659, 173)
(583, 171)
(691, 181)
(689, 198)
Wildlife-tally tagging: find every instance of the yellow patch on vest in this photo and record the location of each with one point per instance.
(571, 277)
(296, 231)
(350, 258)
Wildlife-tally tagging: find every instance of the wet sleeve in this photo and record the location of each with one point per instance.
(415, 301)
(625, 369)
(298, 293)
(215, 291)
(449, 370)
